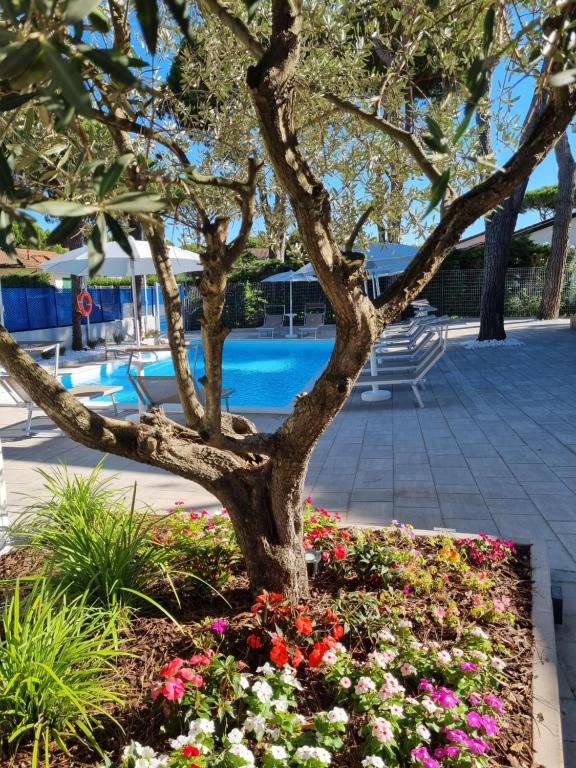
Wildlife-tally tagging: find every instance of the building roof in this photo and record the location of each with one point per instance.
(470, 242)
(26, 258)
(262, 253)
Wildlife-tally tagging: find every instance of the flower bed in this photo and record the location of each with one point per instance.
(411, 651)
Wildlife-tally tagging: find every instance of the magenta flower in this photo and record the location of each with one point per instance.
(219, 626)
(478, 746)
(468, 666)
(445, 698)
(425, 685)
(474, 699)
(490, 726)
(494, 703)
(449, 750)
(474, 720)
(456, 735)
(422, 754)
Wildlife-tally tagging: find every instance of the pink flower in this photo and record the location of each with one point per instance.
(173, 689)
(325, 556)
(406, 589)
(425, 685)
(494, 703)
(199, 659)
(474, 699)
(474, 720)
(457, 735)
(382, 730)
(172, 668)
(490, 726)
(468, 666)
(345, 682)
(501, 603)
(478, 745)
(445, 698)
(192, 677)
(447, 751)
(219, 626)
(439, 612)
(421, 754)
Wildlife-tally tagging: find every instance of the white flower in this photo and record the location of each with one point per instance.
(313, 753)
(255, 724)
(381, 658)
(407, 669)
(201, 726)
(387, 637)
(457, 653)
(243, 753)
(479, 655)
(429, 705)
(423, 732)
(337, 715)
(405, 623)
(396, 710)
(244, 682)
(443, 657)
(364, 685)
(266, 669)
(498, 664)
(373, 761)
(288, 677)
(478, 632)
(280, 705)
(416, 645)
(382, 730)
(263, 691)
(235, 736)
(329, 657)
(278, 753)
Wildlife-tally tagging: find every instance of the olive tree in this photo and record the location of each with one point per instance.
(76, 62)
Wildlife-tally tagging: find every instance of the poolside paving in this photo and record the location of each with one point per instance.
(494, 450)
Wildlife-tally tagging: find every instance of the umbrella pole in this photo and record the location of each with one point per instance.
(157, 306)
(1, 305)
(145, 304)
(135, 307)
(4, 526)
(290, 316)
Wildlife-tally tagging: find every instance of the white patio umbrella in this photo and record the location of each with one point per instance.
(117, 263)
(290, 277)
(388, 259)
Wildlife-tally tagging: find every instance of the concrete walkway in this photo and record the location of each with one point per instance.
(494, 450)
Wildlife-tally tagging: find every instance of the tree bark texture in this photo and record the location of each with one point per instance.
(554, 277)
(75, 240)
(500, 227)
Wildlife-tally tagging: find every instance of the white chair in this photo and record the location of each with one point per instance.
(159, 391)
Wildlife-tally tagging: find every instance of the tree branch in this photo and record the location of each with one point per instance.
(235, 25)
(408, 140)
(356, 229)
(465, 210)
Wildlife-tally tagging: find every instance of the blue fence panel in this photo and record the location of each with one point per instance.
(63, 299)
(110, 303)
(15, 309)
(96, 314)
(41, 308)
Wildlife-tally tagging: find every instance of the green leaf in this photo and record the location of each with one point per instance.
(178, 10)
(6, 180)
(111, 64)
(251, 8)
(437, 191)
(9, 10)
(13, 102)
(561, 79)
(99, 20)
(77, 9)
(488, 36)
(6, 234)
(63, 208)
(19, 59)
(113, 174)
(435, 139)
(118, 234)
(96, 244)
(137, 202)
(66, 227)
(147, 13)
(68, 78)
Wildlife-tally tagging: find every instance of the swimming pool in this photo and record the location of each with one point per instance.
(266, 374)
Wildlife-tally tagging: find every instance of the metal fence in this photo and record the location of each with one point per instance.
(454, 292)
(29, 309)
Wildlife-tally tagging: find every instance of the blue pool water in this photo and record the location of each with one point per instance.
(264, 373)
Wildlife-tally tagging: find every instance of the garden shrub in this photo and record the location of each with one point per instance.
(93, 541)
(56, 661)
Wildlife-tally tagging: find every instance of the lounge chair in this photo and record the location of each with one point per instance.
(314, 315)
(414, 376)
(413, 350)
(272, 321)
(159, 391)
(411, 336)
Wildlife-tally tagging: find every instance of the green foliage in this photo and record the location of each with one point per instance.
(254, 304)
(23, 278)
(94, 543)
(524, 253)
(21, 239)
(55, 670)
(542, 200)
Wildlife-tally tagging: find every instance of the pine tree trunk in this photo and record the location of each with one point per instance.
(75, 240)
(554, 278)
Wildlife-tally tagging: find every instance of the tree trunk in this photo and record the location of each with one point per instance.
(554, 278)
(267, 514)
(500, 227)
(75, 240)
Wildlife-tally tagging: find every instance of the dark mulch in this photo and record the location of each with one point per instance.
(154, 639)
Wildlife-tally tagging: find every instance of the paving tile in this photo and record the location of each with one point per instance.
(376, 494)
(447, 460)
(512, 506)
(463, 505)
(420, 517)
(370, 512)
(488, 467)
(533, 473)
(500, 488)
(556, 507)
(368, 480)
(556, 488)
(523, 528)
(473, 525)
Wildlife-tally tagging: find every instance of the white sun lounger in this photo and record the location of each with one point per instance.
(159, 391)
(389, 376)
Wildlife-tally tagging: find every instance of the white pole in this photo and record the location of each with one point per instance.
(157, 306)
(145, 304)
(134, 305)
(3, 504)
(1, 305)
(291, 313)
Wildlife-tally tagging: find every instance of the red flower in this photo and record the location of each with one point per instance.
(279, 654)
(173, 689)
(199, 659)
(276, 596)
(190, 751)
(303, 625)
(297, 658)
(192, 677)
(338, 631)
(330, 617)
(317, 654)
(172, 668)
(254, 641)
(340, 552)
(345, 535)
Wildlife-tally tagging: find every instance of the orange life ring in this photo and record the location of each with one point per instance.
(84, 302)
